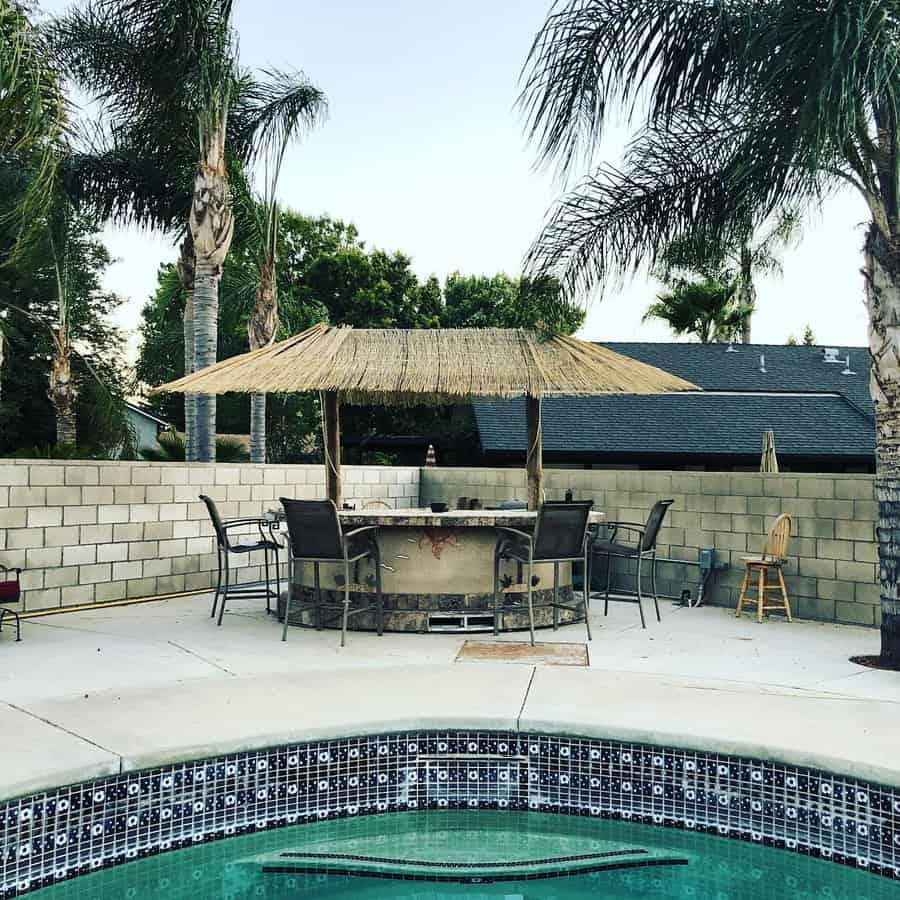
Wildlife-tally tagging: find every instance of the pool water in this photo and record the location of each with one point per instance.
(476, 854)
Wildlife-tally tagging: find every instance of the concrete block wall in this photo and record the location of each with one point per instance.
(832, 572)
(87, 532)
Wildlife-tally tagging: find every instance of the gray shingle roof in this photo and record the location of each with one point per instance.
(831, 417)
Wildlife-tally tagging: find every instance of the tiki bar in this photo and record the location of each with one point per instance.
(435, 566)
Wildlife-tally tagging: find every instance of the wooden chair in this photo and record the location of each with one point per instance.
(758, 568)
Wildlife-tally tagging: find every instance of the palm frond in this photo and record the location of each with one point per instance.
(747, 107)
(268, 114)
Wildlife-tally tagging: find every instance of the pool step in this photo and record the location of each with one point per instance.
(466, 872)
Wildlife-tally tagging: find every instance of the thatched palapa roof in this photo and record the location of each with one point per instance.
(413, 366)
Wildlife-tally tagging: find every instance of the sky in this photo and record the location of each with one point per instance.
(424, 151)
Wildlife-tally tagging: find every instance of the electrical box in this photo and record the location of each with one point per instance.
(707, 559)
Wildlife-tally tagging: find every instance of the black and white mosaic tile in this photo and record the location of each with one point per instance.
(69, 831)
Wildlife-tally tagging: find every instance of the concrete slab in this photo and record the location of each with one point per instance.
(205, 718)
(35, 754)
(159, 682)
(841, 734)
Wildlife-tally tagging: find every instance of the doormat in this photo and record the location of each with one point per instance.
(523, 653)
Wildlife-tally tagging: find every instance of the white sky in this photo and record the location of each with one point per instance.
(424, 152)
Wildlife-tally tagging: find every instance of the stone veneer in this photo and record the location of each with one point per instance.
(87, 532)
(832, 571)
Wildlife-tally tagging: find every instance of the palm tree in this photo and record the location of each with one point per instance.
(301, 105)
(706, 308)
(33, 114)
(746, 108)
(177, 109)
(755, 252)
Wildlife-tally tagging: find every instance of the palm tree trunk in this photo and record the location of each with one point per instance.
(883, 301)
(206, 334)
(261, 328)
(63, 395)
(746, 292)
(212, 227)
(186, 276)
(257, 428)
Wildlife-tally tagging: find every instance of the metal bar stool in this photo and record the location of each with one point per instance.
(560, 535)
(643, 549)
(224, 548)
(316, 536)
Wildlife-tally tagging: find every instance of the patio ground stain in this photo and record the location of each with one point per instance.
(520, 653)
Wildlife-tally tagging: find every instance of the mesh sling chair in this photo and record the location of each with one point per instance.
(643, 548)
(316, 536)
(560, 535)
(10, 592)
(224, 548)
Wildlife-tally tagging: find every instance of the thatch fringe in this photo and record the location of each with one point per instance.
(416, 366)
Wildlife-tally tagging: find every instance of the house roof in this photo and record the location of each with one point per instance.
(134, 407)
(814, 410)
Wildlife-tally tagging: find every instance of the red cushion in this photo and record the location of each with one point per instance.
(9, 592)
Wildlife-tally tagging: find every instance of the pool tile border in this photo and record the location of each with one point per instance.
(59, 834)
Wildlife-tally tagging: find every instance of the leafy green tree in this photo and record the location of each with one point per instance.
(499, 301)
(809, 337)
(747, 109)
(707, 309)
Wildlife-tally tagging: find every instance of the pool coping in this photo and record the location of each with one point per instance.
(66, 740)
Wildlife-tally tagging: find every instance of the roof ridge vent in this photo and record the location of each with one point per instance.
(831, 354)
(731, 348)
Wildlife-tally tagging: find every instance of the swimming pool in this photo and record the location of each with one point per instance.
(574, 809)
(476, 854)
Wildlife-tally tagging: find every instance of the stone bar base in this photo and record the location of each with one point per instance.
(410, 612)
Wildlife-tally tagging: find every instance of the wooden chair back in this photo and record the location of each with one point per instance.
(778, 538)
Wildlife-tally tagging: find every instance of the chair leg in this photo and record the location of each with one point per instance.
(277, 583)
(761, 594)
(784, 595)
(379, 606)
(496, 591)
(556, 596)
(586, 598)
(608, 577)
(225, 589)
(743, 595)
(530, 605)
(346, 602)
(639, 595)
(268, 581)
(318, 596)
(287, 599)
(653, 584)
(212, 615)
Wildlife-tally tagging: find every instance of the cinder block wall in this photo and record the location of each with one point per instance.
(86, 532)
(831, 575)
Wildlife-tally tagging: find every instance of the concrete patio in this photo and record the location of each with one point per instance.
(115, 689)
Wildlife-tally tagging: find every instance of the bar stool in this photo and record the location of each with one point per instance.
(774, 556)
(224, 547)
